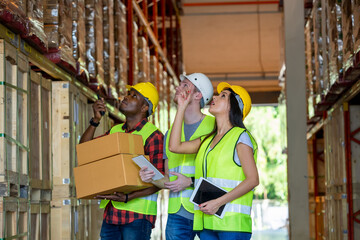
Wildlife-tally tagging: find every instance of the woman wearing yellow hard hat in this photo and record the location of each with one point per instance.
(226, 158)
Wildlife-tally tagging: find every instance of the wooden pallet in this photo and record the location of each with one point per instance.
(335, 176)
(14, 218)
(14, 99)
(70, 117)
(40, 220)
(75, 219)
(40, 136)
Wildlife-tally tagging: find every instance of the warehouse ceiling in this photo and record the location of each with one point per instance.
(235, 41)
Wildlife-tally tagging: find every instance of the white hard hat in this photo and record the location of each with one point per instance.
(203, 83)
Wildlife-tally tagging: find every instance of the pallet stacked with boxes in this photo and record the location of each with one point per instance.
(333, 72)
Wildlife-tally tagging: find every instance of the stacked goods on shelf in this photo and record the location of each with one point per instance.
(95, 46)
(109, 48)
(36, 34)
(325, 46)
(309, 68)
(356, 31)
(14, 134)
(153, 69)
(144, 60)
(348, 41)
(335, 175)
(40, 156)
(13, 14)
(79, 39)
(135, 53)
(336, 45)
(69, 114)
(57, 25)
(318, 65)
(121, 63)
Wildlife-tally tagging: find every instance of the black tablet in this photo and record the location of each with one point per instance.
(205, 191)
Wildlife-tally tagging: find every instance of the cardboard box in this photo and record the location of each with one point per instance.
(114, 174)
(108, 146)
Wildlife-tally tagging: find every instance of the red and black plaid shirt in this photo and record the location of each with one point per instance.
(154, 148)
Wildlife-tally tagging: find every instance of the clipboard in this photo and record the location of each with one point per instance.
(141, 161)
(205, 191)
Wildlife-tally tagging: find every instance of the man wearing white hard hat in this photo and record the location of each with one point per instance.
(181, 167)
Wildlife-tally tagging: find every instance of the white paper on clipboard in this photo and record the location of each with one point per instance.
(141, 161)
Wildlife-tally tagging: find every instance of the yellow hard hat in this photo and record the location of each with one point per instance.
(149, 92)
(243, 99)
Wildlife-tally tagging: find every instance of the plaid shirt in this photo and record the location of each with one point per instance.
(154, 148)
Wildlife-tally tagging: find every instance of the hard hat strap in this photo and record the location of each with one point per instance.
(150, 106)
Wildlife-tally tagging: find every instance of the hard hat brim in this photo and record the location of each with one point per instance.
(223, 85)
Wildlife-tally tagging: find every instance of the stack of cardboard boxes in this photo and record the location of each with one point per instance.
(105, 165)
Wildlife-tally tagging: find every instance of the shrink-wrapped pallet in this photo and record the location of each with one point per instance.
(79, 39)
(348, 41)
(57, 26)
(153, 69)
(109, 47)
(335, 40)
(13, 14)
(318, 60)
(94, 45)
(144, 60)
(325, 47)
(121, 63)
(35, 16)
(356, 27)
(309, 68)
(135, 53)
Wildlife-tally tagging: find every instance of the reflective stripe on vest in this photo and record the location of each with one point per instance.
(144, 205)
(185, 194)
(185, 164)
(183, 169)
(218, 166)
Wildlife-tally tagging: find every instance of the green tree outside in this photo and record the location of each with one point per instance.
(266, 125)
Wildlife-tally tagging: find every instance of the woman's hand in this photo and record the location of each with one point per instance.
(210, 207)
(146, 175)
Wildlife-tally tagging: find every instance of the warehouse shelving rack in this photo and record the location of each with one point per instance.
(336, 112)
(160, 23)
(166, 47)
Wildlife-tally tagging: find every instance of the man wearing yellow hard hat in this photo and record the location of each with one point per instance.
(133, 215)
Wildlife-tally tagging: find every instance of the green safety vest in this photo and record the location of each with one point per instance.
(218, 166)
(185, 164)
(144, 205)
